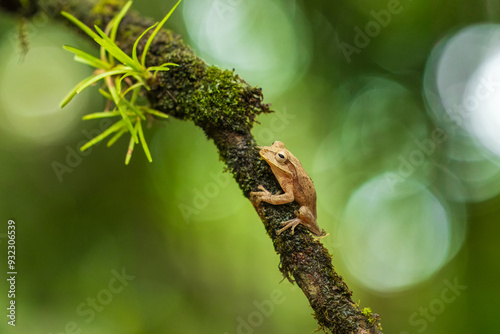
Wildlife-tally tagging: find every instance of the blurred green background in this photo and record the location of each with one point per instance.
(393, 107)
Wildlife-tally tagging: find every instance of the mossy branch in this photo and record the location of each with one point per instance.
(225, 107)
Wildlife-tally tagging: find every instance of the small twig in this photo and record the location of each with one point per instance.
(172, 96)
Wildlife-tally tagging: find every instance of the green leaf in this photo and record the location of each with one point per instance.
(163, 67)
(87, 82)
(113, 128)
(80, 24)
(154, 112)
(130, 104)
(126, 118)
(158, 27)
(114, 50)
(135, 75)
(130, 149)
(118, 82)
(134, 109)
(123, 111)
(135, 95)
(134, 86)
(103, 114)
(134, 49)
(90, 80)
(143, 141)
(86, 61)
(140, 79)
(117, 19)
(71, 94)
(105, 94)
(84, 57)
(116, 136)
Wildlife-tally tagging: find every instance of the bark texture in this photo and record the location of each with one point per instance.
(225, 107)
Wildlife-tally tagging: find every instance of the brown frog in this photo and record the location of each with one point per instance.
(296, 185)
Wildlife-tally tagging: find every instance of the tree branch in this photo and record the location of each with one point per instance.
(225, 107)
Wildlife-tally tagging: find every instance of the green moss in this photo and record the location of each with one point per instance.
(373, 318)
(209, 96)
(104, 10)
(367, 312)
(219, 101)
(107, 7)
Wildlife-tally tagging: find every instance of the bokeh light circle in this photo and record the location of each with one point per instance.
(482, 101)
(31, 90)
(394, 237)
(260, 39)
(462, 92)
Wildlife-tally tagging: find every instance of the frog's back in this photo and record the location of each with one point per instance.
(304, 191)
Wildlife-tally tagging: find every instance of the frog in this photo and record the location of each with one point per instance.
(296, 185)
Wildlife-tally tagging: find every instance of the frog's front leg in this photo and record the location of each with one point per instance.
(266, 196)
(306, 218)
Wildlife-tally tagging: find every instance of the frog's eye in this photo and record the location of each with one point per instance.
(281, 157)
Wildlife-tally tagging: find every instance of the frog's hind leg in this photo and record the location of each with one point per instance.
(306, 218)
(290, 223)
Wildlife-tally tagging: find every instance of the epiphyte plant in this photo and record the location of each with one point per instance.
(125, 78)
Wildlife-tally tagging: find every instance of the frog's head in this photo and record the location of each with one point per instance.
(276, 155)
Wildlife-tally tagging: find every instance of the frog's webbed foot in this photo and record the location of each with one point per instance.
(289, 223)
(305, 217)
(265, 195)
(323, 235)
(296, 221)
(263, 190)
(259, 196)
